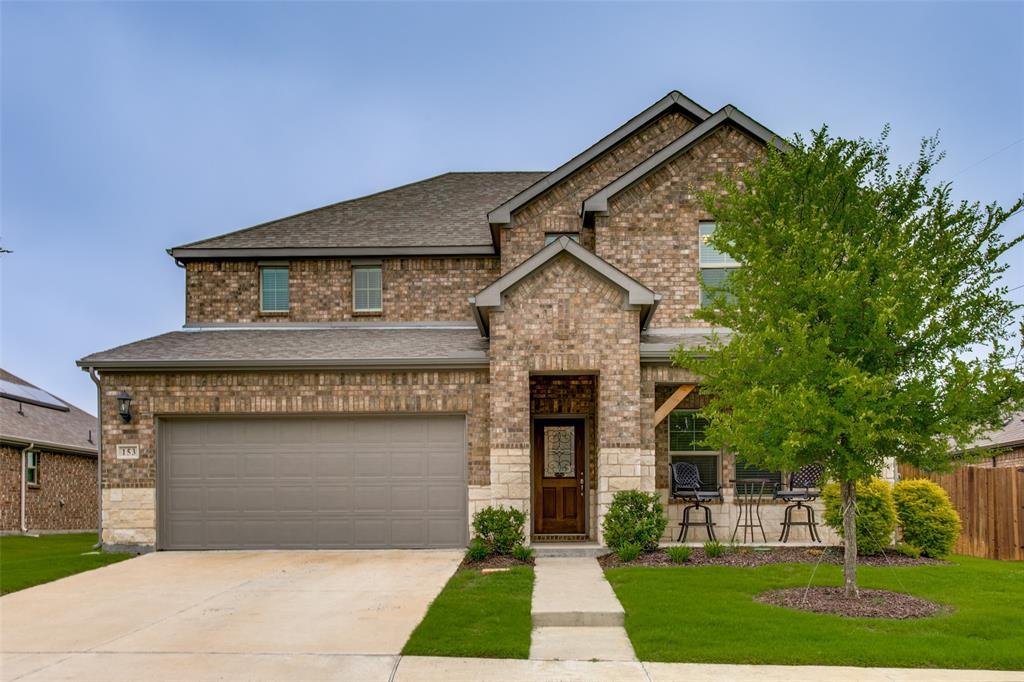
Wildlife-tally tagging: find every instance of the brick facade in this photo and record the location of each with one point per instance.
(64, 500)
(321, 290)
(558, 209)
(651, 230)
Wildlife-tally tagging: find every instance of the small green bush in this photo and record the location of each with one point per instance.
(477, 550)
(927, 516)
(628, 551)
(680, 554)
(635, 517)
(499, 528)
(908, 550)
(522, 552)
(876, 514)
(713, 549)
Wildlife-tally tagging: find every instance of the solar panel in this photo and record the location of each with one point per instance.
(31, 395)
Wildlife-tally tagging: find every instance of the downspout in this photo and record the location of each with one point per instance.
(99, 456)
(24, 484)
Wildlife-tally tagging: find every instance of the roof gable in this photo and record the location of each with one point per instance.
(598, 202)
(492, 297)
(502, 215)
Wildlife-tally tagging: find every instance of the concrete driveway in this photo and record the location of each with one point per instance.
(224, 615)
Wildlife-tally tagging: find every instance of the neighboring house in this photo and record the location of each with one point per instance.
(48, 459)
(1006, 445)
(370, 373)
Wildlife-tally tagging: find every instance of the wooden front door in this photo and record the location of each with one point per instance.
(559, 476)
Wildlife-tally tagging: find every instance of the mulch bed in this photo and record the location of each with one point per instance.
(746, 557)
(870, 604)
(495, 561)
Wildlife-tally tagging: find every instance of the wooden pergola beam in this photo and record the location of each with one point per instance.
(672, 402)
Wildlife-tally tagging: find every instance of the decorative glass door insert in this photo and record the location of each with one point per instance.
(559, 451)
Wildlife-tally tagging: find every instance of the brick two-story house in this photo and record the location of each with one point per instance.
(369, 373)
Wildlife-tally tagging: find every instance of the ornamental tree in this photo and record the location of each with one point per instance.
(867, 319)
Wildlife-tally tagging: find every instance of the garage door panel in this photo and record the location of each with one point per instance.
(334, 482)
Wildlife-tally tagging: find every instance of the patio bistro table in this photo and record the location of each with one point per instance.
(750, 507)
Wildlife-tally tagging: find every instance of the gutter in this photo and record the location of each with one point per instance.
(24, 484)
(466, 362)
(99, 455)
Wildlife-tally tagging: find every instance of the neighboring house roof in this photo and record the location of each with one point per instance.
(502, 215)
(282, 346)
(1010, 436)
(492, 297)
(446, 214)
(24, 422)
(598, 202)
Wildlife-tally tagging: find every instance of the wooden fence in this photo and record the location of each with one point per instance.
(989, 502)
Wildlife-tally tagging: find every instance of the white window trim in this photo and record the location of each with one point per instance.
(283, 266)
(701, 265)
(357, 309)
(31, 456)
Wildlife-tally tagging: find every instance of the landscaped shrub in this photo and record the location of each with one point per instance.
(477, 550)
(522, 552)
(713, 549)
(927, 516)
(679, 555)
(876, 515)
(636, 517)
(908, 550)
(500, 529)
(628, 551)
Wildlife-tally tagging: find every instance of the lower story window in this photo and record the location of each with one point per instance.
(32, 468)
(707, 465)
(750, 476)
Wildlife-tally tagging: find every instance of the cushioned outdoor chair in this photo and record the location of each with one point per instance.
(803, 487)
(686, 486)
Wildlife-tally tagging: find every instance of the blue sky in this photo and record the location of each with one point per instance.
(128, 128)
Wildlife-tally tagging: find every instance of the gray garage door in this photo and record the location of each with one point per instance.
(359, 482)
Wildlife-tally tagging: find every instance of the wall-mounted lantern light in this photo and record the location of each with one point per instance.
(124, 406)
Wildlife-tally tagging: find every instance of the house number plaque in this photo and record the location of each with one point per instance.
(127, 452)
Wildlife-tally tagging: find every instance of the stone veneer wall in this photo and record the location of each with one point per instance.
(129, 485)
(651, 230)
(558, 209)
(65, 498)
(566, 319)
(320, 290)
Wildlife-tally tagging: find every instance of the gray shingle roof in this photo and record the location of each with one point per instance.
(1011, 435)
(25, 423)
(657, 345)
(446, 211)
(398, 346)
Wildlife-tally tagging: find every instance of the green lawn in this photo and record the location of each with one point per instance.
(27, 561)
(707, 614)
(476, 615)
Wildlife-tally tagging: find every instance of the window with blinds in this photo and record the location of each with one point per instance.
(715, 266)
(274, 289)
(750, 476)
(686, 435)
(366, 289)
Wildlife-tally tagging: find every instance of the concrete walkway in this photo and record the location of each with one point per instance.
(576, 615)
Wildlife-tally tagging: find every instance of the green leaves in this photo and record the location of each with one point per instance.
(864, 293)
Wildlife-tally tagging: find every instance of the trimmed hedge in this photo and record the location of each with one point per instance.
(876, 514)
(927, 516)
(499, 529)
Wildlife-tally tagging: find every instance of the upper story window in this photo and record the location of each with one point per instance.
(274, 289)
(366, 289)
(32, 468)
(550, 237)
(715, 266)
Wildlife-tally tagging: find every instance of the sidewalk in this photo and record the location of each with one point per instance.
(424, 669)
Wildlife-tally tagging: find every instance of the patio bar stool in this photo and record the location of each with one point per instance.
(803, 487)
(686, 486)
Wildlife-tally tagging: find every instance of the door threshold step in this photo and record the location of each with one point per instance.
(569, 549)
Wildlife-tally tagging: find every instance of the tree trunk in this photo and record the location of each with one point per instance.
(849, 497)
